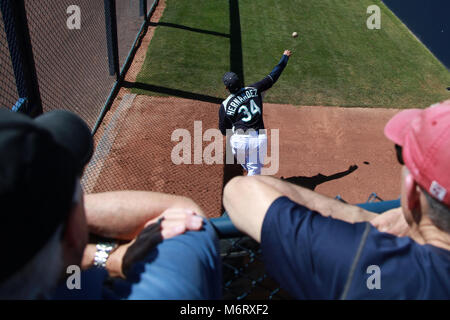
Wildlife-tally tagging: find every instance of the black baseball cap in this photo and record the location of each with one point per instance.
(40, 161)
(231, 81)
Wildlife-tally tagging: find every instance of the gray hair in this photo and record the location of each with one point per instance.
(38, 278)
(439, 213)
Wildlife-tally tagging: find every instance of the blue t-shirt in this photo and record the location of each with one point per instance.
(314, 257)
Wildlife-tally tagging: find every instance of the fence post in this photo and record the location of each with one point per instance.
(19, 43)
(143, 9)
(111, 37)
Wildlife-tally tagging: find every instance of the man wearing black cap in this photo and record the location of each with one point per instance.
(242, 112)
(46, 220)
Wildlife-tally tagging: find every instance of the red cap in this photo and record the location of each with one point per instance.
(425, 138)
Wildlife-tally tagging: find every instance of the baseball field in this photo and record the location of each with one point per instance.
(337, 62)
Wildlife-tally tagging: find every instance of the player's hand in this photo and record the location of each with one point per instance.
(287, 53)
(393, 222)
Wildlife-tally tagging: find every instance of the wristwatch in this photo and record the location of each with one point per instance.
(104, 249)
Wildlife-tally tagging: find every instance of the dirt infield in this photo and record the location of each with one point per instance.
(317, 146)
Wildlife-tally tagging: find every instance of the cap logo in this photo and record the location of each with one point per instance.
(437, 191)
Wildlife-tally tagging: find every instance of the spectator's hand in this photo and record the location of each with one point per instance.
(173, 222)
(287, 53)
(393, 222)
(177, 221)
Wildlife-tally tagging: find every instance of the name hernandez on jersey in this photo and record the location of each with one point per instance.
(239, 100)
(244, 109)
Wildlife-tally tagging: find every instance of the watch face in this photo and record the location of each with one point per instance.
(102, 254)
(106, 246)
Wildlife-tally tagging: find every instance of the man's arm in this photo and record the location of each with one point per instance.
(326, 206)
(248, 199)
(174, 222)
(392, 221)
(270, 80)
(123, 214)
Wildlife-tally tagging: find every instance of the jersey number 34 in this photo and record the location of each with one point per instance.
(254, 109)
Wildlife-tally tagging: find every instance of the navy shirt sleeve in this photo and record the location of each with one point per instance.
(224, 122)
(307, 254)
(270, 80)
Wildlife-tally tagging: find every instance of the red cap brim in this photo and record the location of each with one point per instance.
(395, 130)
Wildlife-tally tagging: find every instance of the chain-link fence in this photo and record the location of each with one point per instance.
(8, 91)
(71, 65)
(77, 50)
(244, 273)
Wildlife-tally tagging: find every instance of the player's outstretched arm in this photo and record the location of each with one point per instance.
(270, 80)
(276, 72)
(123, 214)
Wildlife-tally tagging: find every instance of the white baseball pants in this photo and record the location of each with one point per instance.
(250, 150)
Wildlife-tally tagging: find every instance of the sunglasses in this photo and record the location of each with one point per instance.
(398, 151)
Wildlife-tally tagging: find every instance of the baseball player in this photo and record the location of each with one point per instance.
(242, 112)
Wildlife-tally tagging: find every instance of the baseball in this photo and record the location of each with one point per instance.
(294, 34)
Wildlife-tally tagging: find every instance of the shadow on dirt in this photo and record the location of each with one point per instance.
(314, 181)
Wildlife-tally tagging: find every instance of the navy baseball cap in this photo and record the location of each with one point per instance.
(231, 81)
(40, 162)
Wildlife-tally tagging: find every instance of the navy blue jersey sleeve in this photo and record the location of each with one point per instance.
(270, 80)
(307, 254)
(224, 122)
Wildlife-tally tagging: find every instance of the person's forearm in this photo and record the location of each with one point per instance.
(123, 214)
(324, 205)
(276, 72)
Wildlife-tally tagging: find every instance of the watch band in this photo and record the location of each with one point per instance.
(104, 249)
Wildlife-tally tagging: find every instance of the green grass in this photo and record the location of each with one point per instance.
(336, 60)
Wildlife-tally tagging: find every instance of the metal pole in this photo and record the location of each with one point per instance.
(143, 9)
(124, 69)
(19, 43)
(111, 37)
